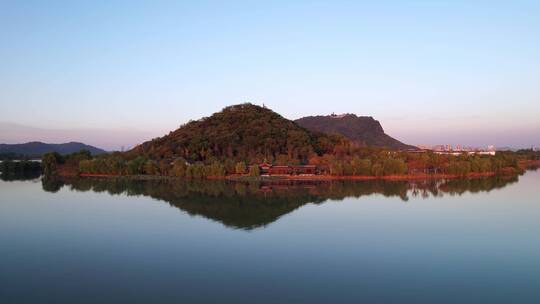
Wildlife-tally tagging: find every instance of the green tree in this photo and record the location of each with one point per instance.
(81, 155)
(50, 162)
(85, 166)
(150, 167)
(216, 169)
(348, 168)
(336, 168)
(195, 171)
(136, 165)
(254, 171)
(240, 168)
(230, 166)
(179, 168)
(361, 166)
(459, 167)
(164, 167)
(392, 166)
(115, 165)
(377, 169)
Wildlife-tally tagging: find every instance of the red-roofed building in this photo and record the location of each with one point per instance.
(268, 169)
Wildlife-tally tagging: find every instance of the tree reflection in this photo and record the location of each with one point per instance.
(251, 205)
(19, 176)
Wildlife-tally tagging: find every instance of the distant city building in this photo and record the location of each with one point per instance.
(492, 153)
(439, 148)
(424, 147)
(448, 149)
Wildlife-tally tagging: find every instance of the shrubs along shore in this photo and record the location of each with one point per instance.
(371, 164)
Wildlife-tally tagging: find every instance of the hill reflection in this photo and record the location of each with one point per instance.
(252, 205)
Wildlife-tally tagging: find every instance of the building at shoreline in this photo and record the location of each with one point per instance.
(269, 169)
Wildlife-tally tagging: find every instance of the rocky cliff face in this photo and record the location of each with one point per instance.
(363, 130)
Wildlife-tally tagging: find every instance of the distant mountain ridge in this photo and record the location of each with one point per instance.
(363, 130)
(37, 148)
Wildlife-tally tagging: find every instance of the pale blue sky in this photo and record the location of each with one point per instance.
(431, 71)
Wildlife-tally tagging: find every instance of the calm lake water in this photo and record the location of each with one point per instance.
(119, 241)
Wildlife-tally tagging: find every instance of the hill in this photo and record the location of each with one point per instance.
(238, 132)
(362, 130)
(36, 149)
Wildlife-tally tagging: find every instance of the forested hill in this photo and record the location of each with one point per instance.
(38, 148)
(362, 130)
(239, 132)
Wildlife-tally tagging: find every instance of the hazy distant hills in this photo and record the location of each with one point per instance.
(38, 148)
(360, 129)
(108, 139)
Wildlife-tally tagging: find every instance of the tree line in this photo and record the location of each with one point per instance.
(346, 160)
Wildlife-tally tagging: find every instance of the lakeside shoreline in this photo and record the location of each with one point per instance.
(314, 178)
(65, 172)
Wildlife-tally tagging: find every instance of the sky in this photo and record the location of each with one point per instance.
(115, 73)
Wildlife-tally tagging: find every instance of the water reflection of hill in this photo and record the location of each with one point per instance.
(248, 206)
